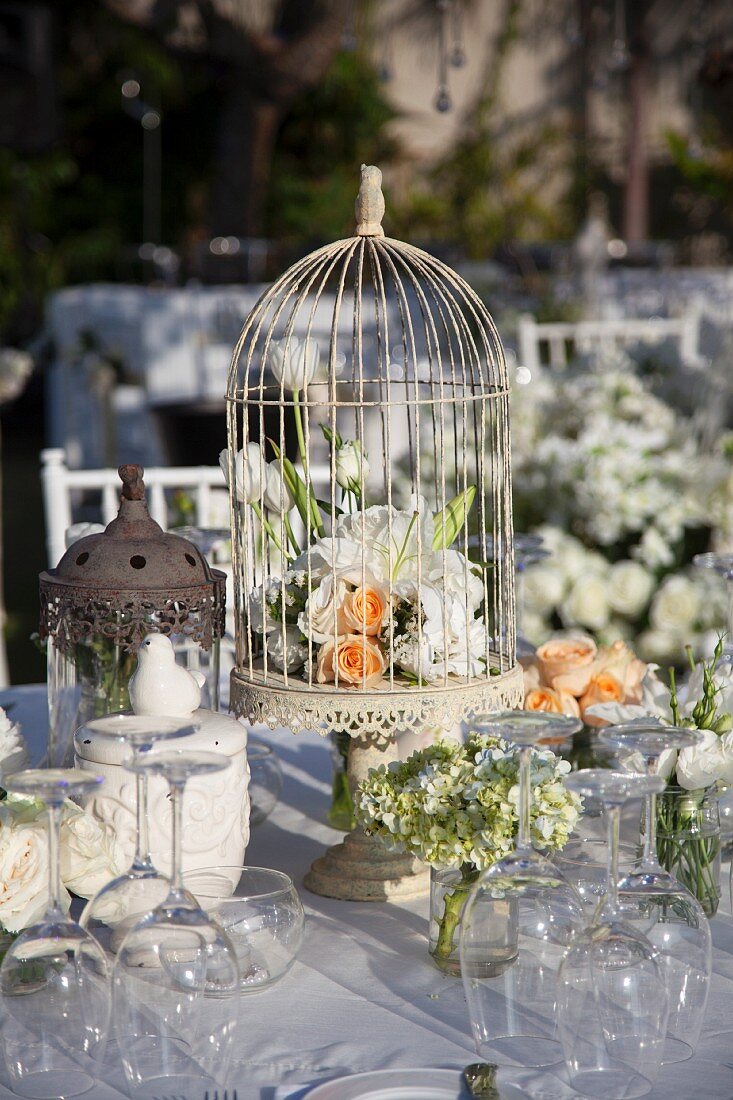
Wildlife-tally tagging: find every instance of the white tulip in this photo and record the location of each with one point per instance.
(277, 496)
(291, 652)
(293, 362)
(352, 468)
(248, 470)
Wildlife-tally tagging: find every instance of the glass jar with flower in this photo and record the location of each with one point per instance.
(688, 819)
(456, 806)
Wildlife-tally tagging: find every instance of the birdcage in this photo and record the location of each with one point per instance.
(369, 474)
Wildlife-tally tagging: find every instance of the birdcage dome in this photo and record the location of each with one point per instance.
(369, 473)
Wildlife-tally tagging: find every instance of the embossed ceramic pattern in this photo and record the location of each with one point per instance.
(215, 807)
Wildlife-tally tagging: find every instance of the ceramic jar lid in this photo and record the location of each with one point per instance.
(217, 733)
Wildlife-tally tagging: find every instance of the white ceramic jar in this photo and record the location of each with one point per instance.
(215, 807)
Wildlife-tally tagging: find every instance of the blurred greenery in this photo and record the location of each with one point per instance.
(333, 128)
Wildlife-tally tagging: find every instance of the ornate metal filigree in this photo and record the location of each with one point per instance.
(70, 615)
(380, 713)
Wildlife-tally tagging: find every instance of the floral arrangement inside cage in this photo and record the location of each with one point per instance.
(365, 596)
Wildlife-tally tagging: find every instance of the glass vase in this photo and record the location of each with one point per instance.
(689, 842)
(341, 811)
(449, 891)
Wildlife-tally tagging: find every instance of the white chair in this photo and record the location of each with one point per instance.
(61, 485)
(561, 340)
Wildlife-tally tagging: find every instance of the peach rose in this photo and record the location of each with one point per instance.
(603, 688)
(364, 610)
(551, 701)
(358, 660)
(566, 664)
(620, 660)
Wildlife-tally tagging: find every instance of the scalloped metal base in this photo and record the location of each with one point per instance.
(361, 869)
(269, 699)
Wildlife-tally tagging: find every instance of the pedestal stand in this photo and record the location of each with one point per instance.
(361, 868)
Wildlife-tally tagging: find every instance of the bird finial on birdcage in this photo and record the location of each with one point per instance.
(370, 203)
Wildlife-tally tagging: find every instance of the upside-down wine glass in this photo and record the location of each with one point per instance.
(511, 994)
(54, 978)
(612, 997)
(175, 982)
(129, 896)
(722, 564)
(670, 916)
(528, 550)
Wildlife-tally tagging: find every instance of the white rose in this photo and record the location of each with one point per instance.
(460, 579)
(352, 468)
(323, 617)
(92, 854)
(293, 362)
(675, 606)
(80, 531)
(658, 645)
(587, 603)
(23, 865)
(13, 752)
(543, 587)
(277, 496)
(249, 470)
(703, 764)
(630, 588)
(293, 653)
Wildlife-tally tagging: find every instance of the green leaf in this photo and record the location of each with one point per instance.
(325, 506)
(332, 437)
(450, 521)
(304, 501)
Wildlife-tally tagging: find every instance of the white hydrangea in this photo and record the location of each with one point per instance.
(453, 804)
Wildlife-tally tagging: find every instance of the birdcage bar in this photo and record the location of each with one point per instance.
(452, 376)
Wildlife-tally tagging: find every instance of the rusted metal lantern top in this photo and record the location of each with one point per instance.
(132, 579)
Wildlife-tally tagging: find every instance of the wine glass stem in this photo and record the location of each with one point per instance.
(613, 819)
(142, 846)
(650, 830)
(54, 859)
(177, 789)
(525, 760)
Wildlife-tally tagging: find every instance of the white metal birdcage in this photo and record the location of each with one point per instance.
(369, 472)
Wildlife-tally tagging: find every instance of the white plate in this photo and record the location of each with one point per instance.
(394, 1084)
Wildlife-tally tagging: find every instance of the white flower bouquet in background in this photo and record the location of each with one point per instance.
(687, 842)
(619, 484)
(456, 806)
(90, 852)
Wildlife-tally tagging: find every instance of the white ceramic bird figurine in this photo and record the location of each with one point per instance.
(158, 686)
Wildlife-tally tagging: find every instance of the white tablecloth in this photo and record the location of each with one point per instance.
(364, 994)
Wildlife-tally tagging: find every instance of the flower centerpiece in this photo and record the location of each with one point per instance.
(456, 807)
(570, 674)
(90, 852)
(366, 602)
(688, 825)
